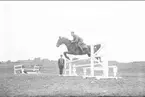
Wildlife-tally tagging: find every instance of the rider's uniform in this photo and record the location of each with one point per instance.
(79, 41)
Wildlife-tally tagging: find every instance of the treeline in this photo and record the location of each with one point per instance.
(36, 61)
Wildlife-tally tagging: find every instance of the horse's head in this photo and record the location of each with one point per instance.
(61, 40)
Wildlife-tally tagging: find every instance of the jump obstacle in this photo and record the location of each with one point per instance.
(18, 69)
(92, 67)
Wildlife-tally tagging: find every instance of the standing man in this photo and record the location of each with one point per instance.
(61, 63)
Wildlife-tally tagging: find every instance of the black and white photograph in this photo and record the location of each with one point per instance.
(72, 48)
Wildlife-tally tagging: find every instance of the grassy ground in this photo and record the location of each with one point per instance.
(50, 84)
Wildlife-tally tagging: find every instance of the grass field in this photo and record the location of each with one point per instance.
(49, 84)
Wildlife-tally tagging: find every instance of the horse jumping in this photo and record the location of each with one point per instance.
(74, 49)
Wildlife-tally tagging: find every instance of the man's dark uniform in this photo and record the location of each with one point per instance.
(61, 63)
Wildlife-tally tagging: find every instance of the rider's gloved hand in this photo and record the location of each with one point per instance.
(73, 42)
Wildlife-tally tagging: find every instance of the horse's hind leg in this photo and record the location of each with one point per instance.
(89, 54)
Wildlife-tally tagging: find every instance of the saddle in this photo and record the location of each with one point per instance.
(82, 45)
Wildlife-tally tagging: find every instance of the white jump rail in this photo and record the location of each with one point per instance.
(34, 70)
(71, 61)
(101, 69)
(18, 68)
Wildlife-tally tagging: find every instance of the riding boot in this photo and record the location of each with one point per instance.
(81, 49)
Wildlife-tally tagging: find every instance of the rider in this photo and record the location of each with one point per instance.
(78, 40)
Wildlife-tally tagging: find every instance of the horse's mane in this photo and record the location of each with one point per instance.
(66, 39)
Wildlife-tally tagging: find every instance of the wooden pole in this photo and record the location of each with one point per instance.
(65, 67)
(70, 69)
(105, 66)
(92, 60)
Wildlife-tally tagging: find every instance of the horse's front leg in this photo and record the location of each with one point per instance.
(65, 54)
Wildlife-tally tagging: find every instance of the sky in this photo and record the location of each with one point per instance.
(30, 29)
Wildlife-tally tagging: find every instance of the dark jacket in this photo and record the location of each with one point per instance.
(61, 61)
(77, 39)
